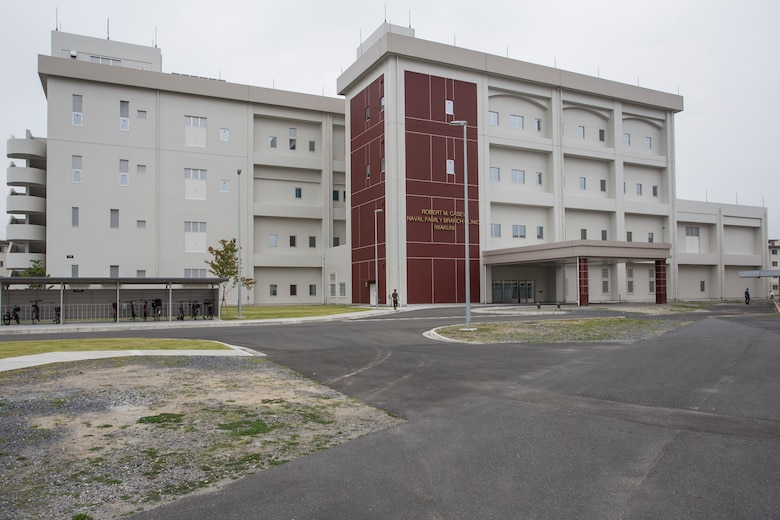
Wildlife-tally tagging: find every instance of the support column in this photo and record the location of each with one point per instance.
(660, 281)
(582, 282)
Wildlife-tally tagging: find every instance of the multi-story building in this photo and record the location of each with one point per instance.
(570, 181)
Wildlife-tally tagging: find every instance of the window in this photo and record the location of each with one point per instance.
(113, 271)
(516, 122)
(293, 290)
(450, 167)
(298, 192)
(539, 178)
(194, 273)
(518, 231)
(140, 273)
(382, 103)
(649, 143)
(74, 270)
(368, 171)
(140, 114)
(774, 251)
(449, 107)
(540, 232)
(602, 135)
(78, 116)
(312, 146)
(293, 241)
(140, 224)
(630, 286)
(603, 234)
(336, 241)
(195, 237)
(605, 286)
(194, 184)
(627, 139)
(195, 121)
(272, 291)
(493, 118)
(495, 230)
(655, 191)
(368, 113)
(224, 186)
(538, 125)
(124, 172)
(140, 168)
(605, 272)
(114, 218)
(639, 189)
(583, 234)
(293, 133)
(691, 231)
(629, 236)
(342, 288)
(495, 174)
(272, 142)
(518, 176)
(581, 132)
(335, 195)
(630, 272)
(701, 286)
(650, 238)
(224, 134)
(382, 164)
(583, 183)
(124, 116)
(74, 216)
(312, 289)
(603, 185)
(76, 172)
(272, 240)
(312, 241)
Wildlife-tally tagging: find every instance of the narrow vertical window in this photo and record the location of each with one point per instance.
(649, 143)
(114, 218)
(629, 236)
(293, 133)
(518, 176)
(495, 174)
(449, 107)
(293, 241)
(581, 132)
(539, 231)
(272, 240)
(368, 171)
(583, 234)
(312, 289)
(74, 216)
(603, 234)
(517, 122)
(602, 135)
(78, 116)
(76, 172)
(603, 185)
(272, 142)
(293, 290)
(493, 118)
(272, 289)
(495, 230)
(224, 134)
(450, 167)
(312, 241)
(538, 125)
(583, 183)
(124, 172)
(368, 114)
(655, 191)
(539, 178)
(312, 146)
(298, 193)
(638, 188)
(627, 139)
(124, 116)
(650, 238)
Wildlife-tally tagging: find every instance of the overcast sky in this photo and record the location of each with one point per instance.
(721, 56)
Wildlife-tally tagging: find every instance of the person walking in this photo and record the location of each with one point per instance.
(747, 297)
(394, 297)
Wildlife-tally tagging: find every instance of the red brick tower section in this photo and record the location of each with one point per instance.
(435, 230)
(367, 145)
(660, 281)
(582, 281)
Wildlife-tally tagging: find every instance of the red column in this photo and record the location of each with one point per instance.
(582, 279)
(660, 281)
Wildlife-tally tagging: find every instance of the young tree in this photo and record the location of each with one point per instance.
(36, 269)
(225, 265)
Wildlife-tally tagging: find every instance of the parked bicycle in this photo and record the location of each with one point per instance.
(208, 314)
(13, 314)
(35, 312)
(114, 310)
(195, 310)
(181, 312)
(132, 310)
(157, 309)
(57, 314)
(146, 309)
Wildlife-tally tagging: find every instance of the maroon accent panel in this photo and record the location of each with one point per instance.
(435, 226)
(420, 285)
(660, 281)
(367, 192)
(583, 282)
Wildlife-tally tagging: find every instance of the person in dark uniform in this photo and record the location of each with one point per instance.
(394, 296)
(747, 297)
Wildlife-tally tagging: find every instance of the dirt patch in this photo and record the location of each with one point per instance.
(116, 436)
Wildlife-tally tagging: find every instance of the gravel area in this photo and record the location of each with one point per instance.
(110, 437)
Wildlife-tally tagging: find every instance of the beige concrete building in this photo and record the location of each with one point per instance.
(571, 181)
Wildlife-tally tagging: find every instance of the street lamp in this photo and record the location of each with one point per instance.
(465, 125)
(238, 190)
(376, 254)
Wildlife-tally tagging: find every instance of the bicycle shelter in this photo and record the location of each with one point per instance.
(94, 299)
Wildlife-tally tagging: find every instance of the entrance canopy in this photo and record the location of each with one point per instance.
(567, 252)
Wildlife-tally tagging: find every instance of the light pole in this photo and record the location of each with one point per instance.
(376, 254)
(239, 242)
(465, 125)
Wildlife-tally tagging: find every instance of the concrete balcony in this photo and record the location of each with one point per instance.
(24, 177)
(21, 261)
(17, 204)
(25, 233)
(26, 148)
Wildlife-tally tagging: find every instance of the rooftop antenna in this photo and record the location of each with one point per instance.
(410, 18)
(56, 19)
(454, 41)
(385, 13)
(155, 36)
(108, 28)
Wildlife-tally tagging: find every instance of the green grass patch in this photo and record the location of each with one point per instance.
(246, 427)
(163, 418)
(262, 312)
(561, 330)
(25, 348)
